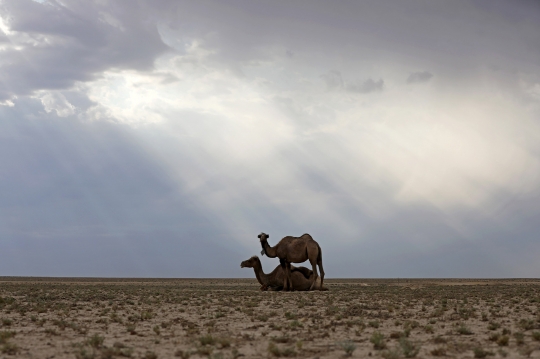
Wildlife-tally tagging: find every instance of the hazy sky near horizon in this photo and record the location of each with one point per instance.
(159, 138)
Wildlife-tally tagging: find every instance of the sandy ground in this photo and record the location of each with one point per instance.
(231, 318)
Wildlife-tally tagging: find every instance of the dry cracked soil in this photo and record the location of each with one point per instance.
(231, 318)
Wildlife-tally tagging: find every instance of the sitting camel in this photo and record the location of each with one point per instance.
(302, 277)
(294, 250)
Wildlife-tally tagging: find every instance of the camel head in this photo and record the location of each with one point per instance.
(263, 238)
(250, 263)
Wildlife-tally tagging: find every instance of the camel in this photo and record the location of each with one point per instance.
(301, 277)
(294, 250)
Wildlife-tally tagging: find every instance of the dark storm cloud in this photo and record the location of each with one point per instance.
(63, 42)
(75, 41)
(419, 77)
(467, 35)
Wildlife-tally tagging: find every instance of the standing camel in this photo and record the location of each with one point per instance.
(294, 250)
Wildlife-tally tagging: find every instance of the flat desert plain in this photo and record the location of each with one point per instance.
(231, 318)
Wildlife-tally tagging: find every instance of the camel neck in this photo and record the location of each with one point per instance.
(269, 251)
(261, 277)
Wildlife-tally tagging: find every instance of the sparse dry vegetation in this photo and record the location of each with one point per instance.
(96, 318)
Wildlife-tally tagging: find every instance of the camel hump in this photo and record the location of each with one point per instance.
(303, 237)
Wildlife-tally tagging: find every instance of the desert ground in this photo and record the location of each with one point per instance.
(231, 318)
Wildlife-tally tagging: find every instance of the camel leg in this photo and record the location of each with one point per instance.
(283, 264)
(315, 274)
(315, 258)
(289, 276)
(313, 254)
(319, 263)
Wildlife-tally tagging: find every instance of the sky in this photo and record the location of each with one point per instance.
(159, 138)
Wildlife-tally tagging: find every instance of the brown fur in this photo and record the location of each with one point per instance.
(302, 277)
(294, 250)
